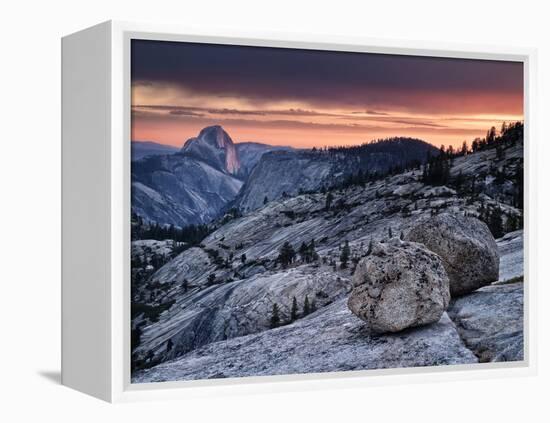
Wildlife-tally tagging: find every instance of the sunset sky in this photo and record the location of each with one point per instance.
(306, 98)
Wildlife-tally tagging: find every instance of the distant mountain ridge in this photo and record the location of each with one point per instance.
(195, 184)
(250, 153)
(211, 173)
(214, 146)
(287, 173)
(141, 149)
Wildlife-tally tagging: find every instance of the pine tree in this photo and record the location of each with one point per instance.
(390, 233)
(464, 149)
(274, 322)
(328, 200)
(243, 258)
(294, 310)
(369, 250)
(307, 252)
(169, 345)
(495, 223)
(286, 254)
(304, 252)
(311, 251)
(185, 285)
(266, 200)
(491, 136)
(344, 256)
(437, 169)
(503, 128)
(307, 309)
(512, 222)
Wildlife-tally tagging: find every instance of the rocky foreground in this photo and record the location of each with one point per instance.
(333, 339)
(490, 322)
(484, 326)
(209, 311)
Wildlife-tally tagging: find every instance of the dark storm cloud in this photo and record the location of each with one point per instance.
(201, 112)
(319, 77)
(189, 110)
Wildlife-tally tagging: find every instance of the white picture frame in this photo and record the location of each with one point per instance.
(96, 160)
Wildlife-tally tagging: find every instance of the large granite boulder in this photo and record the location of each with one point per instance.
(399, 285)
(466, 246)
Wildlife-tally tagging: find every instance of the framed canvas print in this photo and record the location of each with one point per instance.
(266, 212)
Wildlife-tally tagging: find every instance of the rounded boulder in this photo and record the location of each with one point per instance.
(399, 285)
(466, 246)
